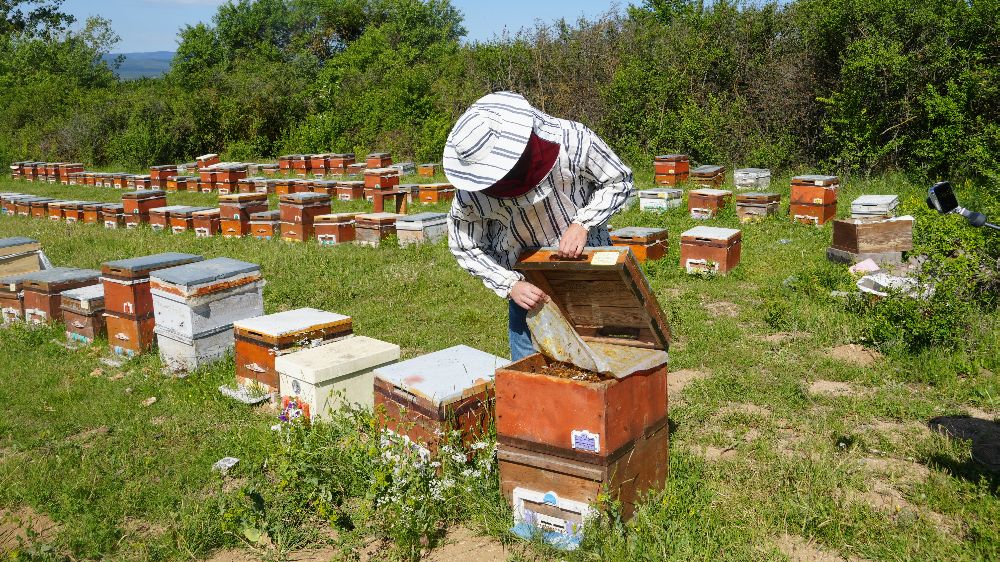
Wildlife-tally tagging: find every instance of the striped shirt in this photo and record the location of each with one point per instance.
(587, 185)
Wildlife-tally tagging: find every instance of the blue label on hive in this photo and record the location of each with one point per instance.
(586, 441)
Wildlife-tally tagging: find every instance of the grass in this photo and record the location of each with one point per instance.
(756, 455)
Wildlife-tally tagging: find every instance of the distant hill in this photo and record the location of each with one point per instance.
(142, 65)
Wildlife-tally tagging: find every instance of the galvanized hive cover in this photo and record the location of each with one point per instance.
(16, 241)
(144, 194)
(86, 294)
(443, 376)
(638, 232)
(661, 193)
(711, 232)
(290, 322)
(422, 219)
(145, 264)
(205, 272)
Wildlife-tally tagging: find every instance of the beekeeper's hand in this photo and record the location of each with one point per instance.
(527, 296)
(572, 242)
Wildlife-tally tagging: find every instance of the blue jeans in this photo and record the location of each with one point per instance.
(517, 331)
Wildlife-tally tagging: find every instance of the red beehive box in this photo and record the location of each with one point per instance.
(42, 289)
(73, 211)
(357, 168)
(378, 160)
(137, 205)
(335, 229)
(350, 190)
(317, 162)
(426, 397)
(235, 210)
(339, 163)
(285, 163)
(283, 186)
(706, 203)
(672, 164)
(436, 192)
(113, 215)
(179, 183)
(182, 220)
(39, 207)
(83, 313)
(326, 187)
(301, 164)
(159, 217)
(92, 212)
(128, 302)
(298, 211)
(381, 178)
(140, 182)
(646, 243)
(158, 175)
(246, 185)
(260, 340)
(609, 431)
(817, 215)
(710, 249)
(12, 298)
(207, 160)
(207, 223)
(754, 206)
(265, 225)
(54, 210)
(231, 173)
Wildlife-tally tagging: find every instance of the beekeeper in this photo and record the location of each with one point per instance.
(525, 180)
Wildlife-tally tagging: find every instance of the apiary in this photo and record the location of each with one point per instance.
(609, 430)
(372, 228)
(113, 215)
(83, 313)
(42, 291)
(752, 178)
(436, 192)
(425, 397)
(709, 175)
(671, 169)
(753, 206)
(646, 243)
(265, 225)
(880, 239)
(207, 223)
(660, 199)
(195, 306)
(333, 229)
(874, 206)
(421, 227)
(298, 213)
(19, 255)
(128, 302)
(235, 210)
(261, 340)
(706, 203)
(707, 249)
(138, 204)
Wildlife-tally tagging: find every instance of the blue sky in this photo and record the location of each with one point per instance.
(151, 25)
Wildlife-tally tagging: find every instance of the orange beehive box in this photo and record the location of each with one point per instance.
(672, 164)
(340, 162)
(113, 215)
(92, 212)
(335, 229)
(711, 249)
(817, 215)
(706, 203)
(381, 178)
(159, 217)
(326, 187)
(42, 291)
(207, 223)
(378, 160)
(265, 225)
(182, 220)
(647, 243)
(158, 175)
(428, 170)
(137, 205)
(436, 192)
(126, 282)
(350, 190)
(207, 160)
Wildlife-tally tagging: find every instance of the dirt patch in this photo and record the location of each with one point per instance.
(233, 555)
(744, 408)
(834, 388)
(905, 471)
(856, 354)
(899, 434)
(722, 309)
(782, 337)
(462, 543)
(799, 549)
(677, 380)
(24, 525)
(713, 454)
(325, 554)
(141, 527)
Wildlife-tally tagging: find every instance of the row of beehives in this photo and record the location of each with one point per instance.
(300, 217)
(604, 434)
(672, 169)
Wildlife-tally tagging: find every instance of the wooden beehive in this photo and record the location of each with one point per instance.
(235, 210)
(381, 178)
(137, 205)
(19, 255)
(817, 215)
(126, 282)
(338, 163)
(206, 160)
(606, 433)
(182, 220)
(113, 215)
(92, 212)
(55, 209)
(711, 249)
(12, 298)
(39, 208)
(753, 205)
(261, 339)
(265, 225)
(298, 212)
(378, 160)
(752, 178)
(428, 170)
(646, 243)
(436, 192)
(421, 228)
(350, 190)
(706, 203)
(42, 289)
(372, 228)
(873, 235)
(676, 165)
(425, 397)
(877, 206)
(207, 223)
(333, 229)
(195, 306)
(708, 175)
(660, 199)
(159, 217)
(83, 313)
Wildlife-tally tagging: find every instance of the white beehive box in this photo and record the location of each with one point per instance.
(330, 375)
(659, 199)
(752, 178)
(421, 227)
(182, 354)
(874, 206)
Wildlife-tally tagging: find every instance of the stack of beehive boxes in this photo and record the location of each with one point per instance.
(336, 228)
(814, 199)
(671, 169)
(195, 306)
(235, 211)
(83, 313)
(706, 203)
(158, 175)
(19, 255)
(660, 199)
(873, 232)
(298, 212)
(754, 206)
(138, 204)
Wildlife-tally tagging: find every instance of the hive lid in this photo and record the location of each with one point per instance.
(208, 212)
(266, 216)
(144, 194)
(815, 179)
(38, 200)
(242, 197)
(90, 293)
(304, 198)
(876, 201)
(603, 294)
(208, 271)
(168, 209)
(350, 183)
(378, 155)
(13, 283)
(757, 197)
(671, 158)
(113, 207)
(291, 322)
(140, 267)
(758, 172)
(707, 170)
(16, 241)
(660, 193)
(336, 359)
(59, 278)
(189, 211)
(711, 233)
(335, 217)
(423, 217)
(380, 218)
(639, 233)
(381, 171)
(710, 192)
(444, 376)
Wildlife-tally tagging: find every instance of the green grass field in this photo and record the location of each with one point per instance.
(785, 444)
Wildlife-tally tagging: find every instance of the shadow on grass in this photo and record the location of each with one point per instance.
(985, 439)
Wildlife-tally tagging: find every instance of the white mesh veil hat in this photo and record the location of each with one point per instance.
(488, 140)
